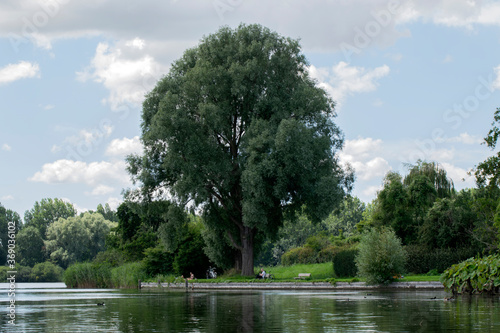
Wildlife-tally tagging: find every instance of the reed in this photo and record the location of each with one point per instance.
(128, 275)
(87, 275)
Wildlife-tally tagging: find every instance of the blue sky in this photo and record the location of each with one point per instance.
(412, 80)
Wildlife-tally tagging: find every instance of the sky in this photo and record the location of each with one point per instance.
(412, 80)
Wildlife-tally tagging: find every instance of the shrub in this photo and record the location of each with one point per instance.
(157, 261)
(421, 260)
(473, 276)
(381, 256)
(299, 255)
(112, 257)
(328, 253)
(46, 272)
(344, 264)
(87, 275)
(128, 275)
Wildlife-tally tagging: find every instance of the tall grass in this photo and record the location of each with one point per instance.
(94, 275)
(128, 275)
(87, 275)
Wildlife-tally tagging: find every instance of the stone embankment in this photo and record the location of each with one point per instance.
(291, 286)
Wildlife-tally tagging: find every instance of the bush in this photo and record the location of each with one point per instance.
(381, 256)
(128, 275)
(46, 272)
(421, 260)
(299, 255)
(157, 261)
(328, 253)
(474, 276)
(344, 264)
(88, 275)
(112, 257)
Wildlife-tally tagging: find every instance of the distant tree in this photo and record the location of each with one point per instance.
(46, 212)
(403, 204)
(6, 216)
(77, 239)
(240, 129)
(343, 221)
(30, 246)
(488, 172)
(450, 223)
(107, 212)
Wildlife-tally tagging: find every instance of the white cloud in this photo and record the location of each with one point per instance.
(453, 13)
(6, 147)
(464, 138)
(363, 155)
(371, 191)
(496, 83)
(21, 70)
(459, 176)
(343, 80)
(90, 137)
(101, 190)
(126, 74)
(93, 174)
(7, 197)
(124, 147)
(114, 202)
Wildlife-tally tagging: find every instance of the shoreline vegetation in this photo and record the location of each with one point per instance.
(91, 275)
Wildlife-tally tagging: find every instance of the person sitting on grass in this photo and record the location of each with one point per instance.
(262, 274)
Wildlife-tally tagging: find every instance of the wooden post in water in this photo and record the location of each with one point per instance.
(139, 285)
(186, 283)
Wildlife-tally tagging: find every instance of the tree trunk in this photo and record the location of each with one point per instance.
(247, 252)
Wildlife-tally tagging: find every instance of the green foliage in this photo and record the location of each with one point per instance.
(343, 221)
(30, 246)
(403, 204)
(381, 256)
(46, 212)
(77, 239)
(46, 272)
(111, 257)
(299, 255)
(488, 172)
(329, 252)
(474, 276)
(9, 220)
(238, 127)
(87, 275)
(157, 261)
(344, 263)
(128, 275)
(421, 260)
(190, 256)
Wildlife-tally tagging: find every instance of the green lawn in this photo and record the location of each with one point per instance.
(319, 272)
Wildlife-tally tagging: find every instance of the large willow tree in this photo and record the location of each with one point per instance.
(238, 128)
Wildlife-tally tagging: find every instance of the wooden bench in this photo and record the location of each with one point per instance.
(303, 276)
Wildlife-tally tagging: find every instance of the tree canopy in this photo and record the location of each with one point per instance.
(48, 211)
(240, 130)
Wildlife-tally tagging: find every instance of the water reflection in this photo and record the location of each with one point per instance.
(64, 310)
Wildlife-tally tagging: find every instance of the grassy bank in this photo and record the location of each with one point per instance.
(91, 275)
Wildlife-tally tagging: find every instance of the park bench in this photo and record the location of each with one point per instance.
(303, 276)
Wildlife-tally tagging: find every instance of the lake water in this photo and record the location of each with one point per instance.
(41, 307)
